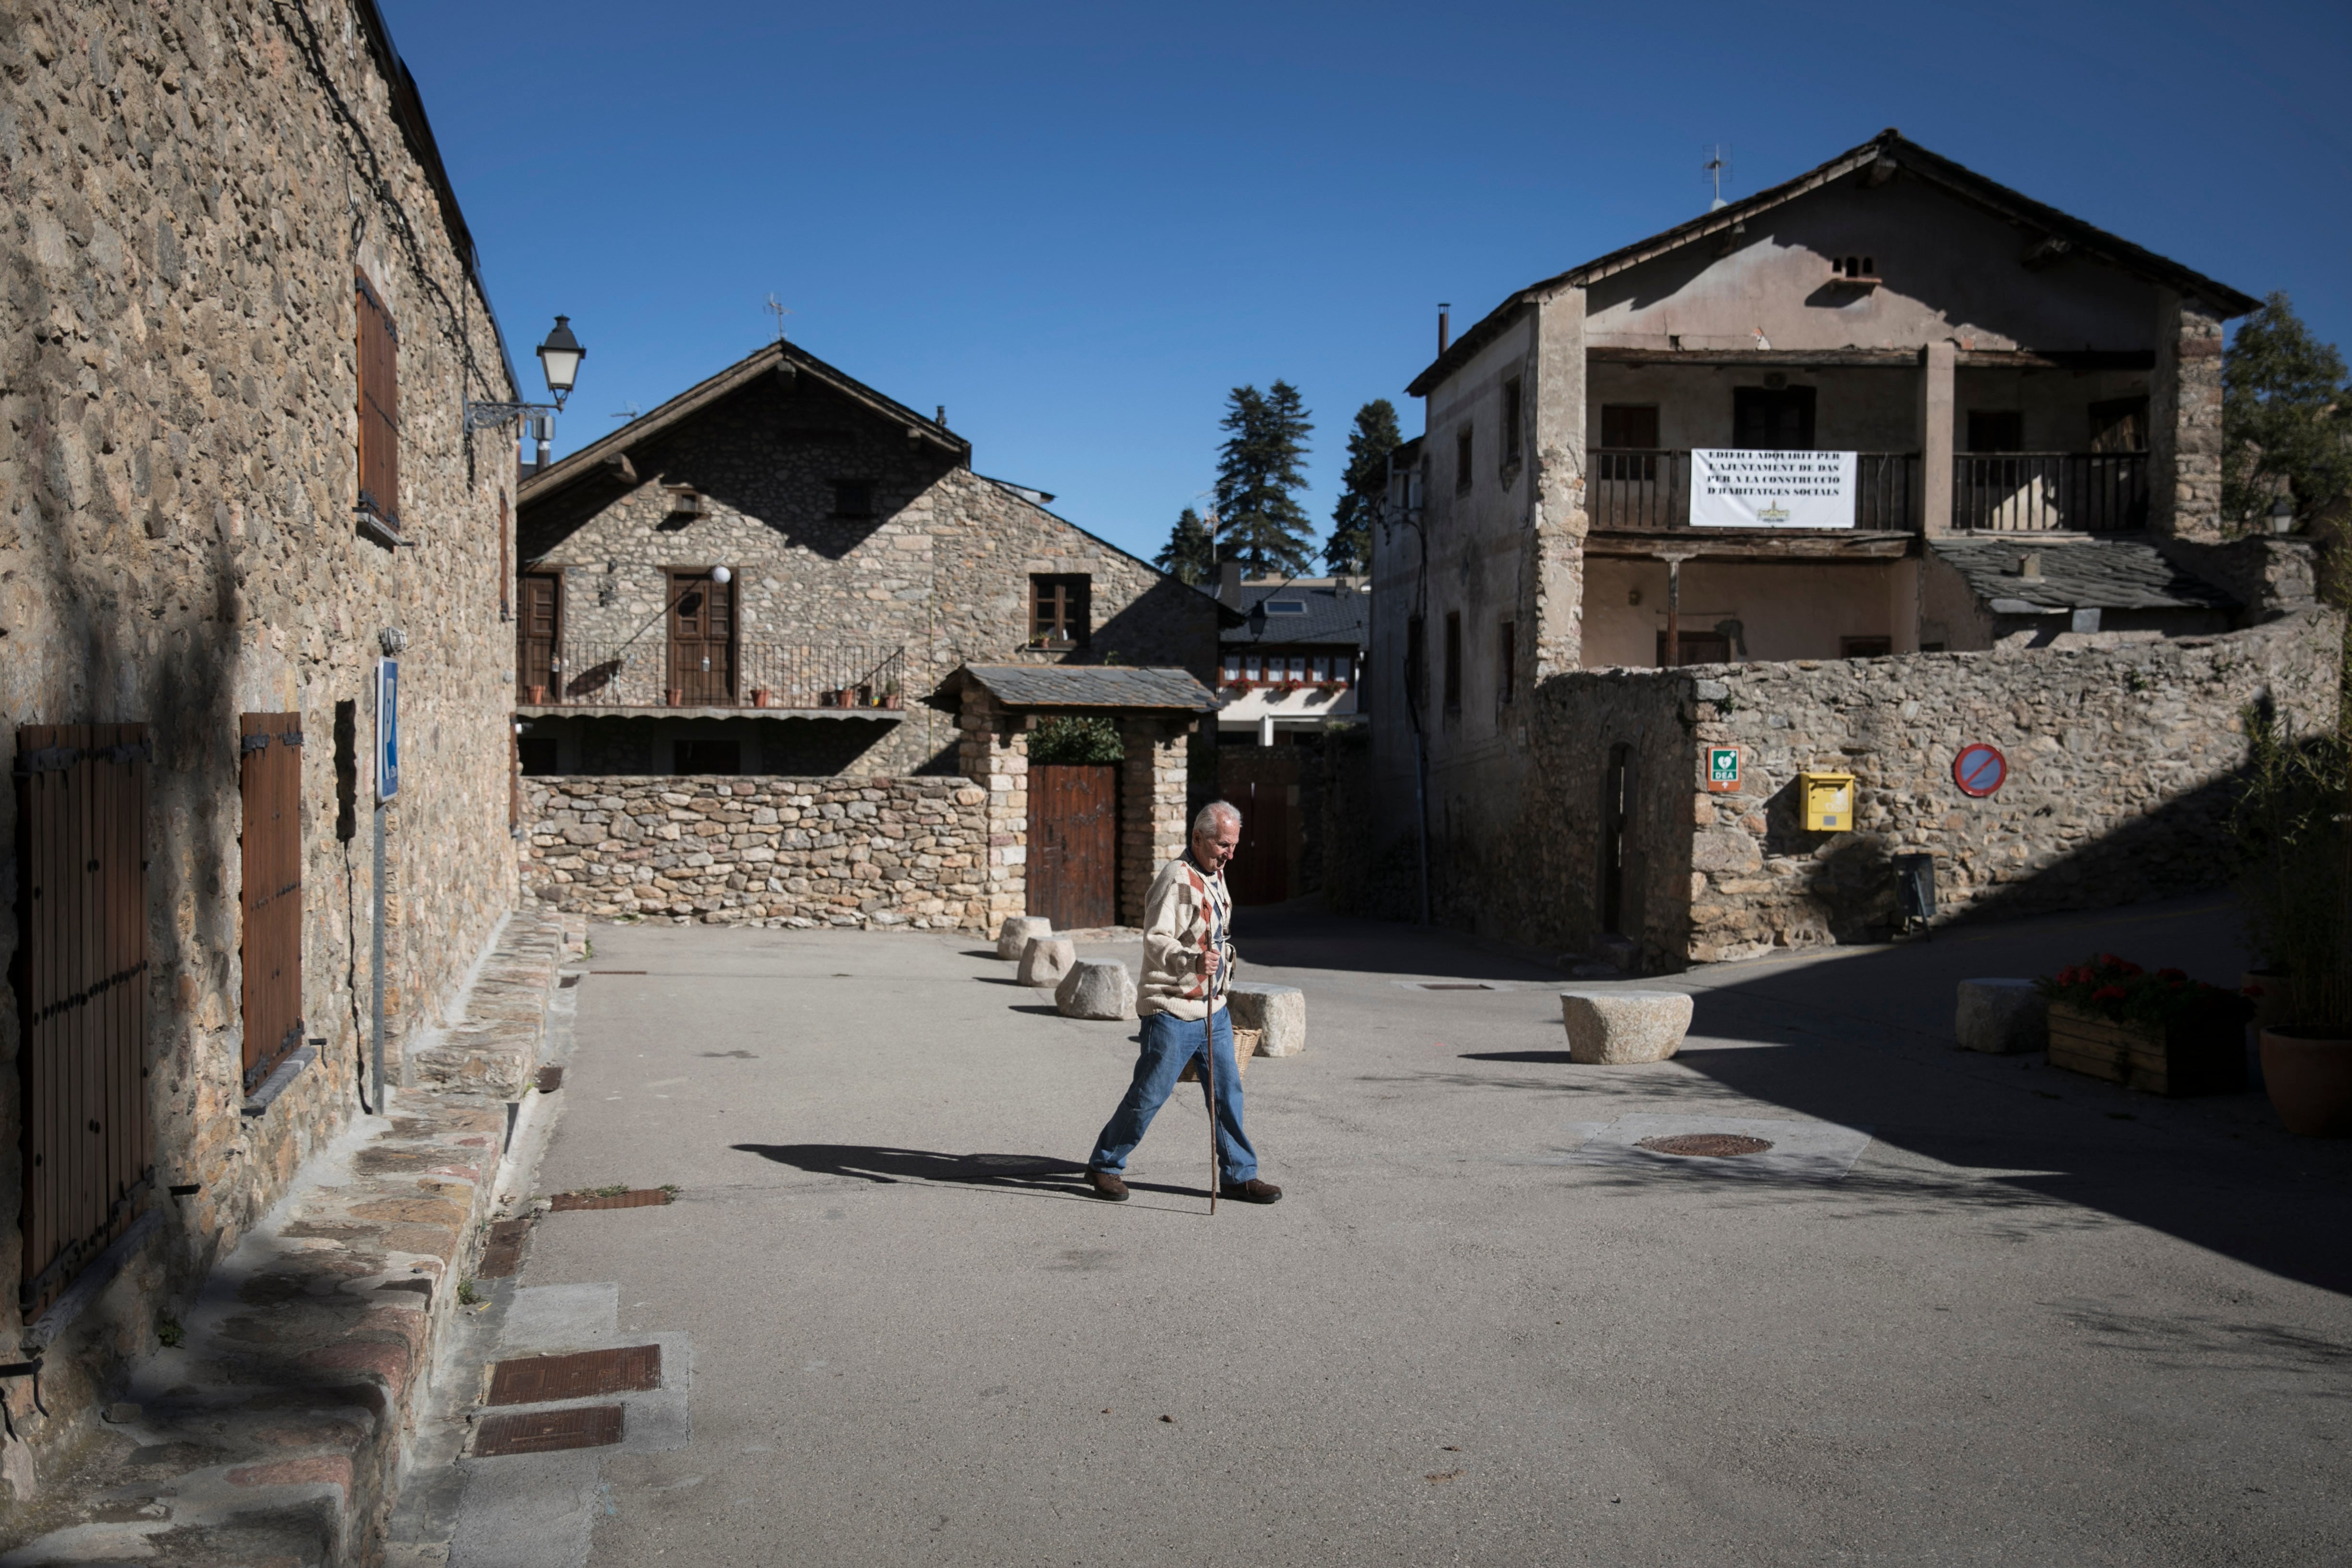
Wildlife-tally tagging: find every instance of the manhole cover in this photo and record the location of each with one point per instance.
(545, 1379)
(1706, 1145)
(544, 1432)
(644, 1198)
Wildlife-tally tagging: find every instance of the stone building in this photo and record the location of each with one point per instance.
(866, 561)
(241, 320)
(887, 623)
(1888, 409)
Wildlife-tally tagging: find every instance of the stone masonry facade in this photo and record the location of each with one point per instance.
(191, 189)
(938, 575)
(798, 853)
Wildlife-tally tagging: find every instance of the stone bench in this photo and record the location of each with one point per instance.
(1278, 1014)
(1614, 1028)
(1045, 959)
(1014, 934)
(1092, 990)
(2001, 1016)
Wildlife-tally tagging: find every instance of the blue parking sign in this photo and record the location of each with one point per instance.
(387, 728)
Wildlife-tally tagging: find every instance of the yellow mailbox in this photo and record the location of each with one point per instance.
(1828, 801)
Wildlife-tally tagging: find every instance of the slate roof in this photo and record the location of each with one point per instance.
(1892, 149)
(1086, 685)
(2088, 574)
(1338, 616)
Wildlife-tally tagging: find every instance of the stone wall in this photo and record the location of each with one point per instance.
(800, 853)
(190, 188)
(940, 573)
(2120, 761)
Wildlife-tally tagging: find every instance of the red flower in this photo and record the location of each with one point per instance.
(2109, 994)
(2133, 971)
(2108, 960)
(2175, 975)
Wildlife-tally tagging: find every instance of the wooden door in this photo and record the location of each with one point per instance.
(1074, 843)
(270, 782)
(1775, 418)
(80, 974)
(539, 637)
(1260, 873)
(701, 641)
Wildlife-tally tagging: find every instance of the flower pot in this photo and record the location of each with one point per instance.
(2308, 1073)
(894, 700)
(760, 697)
(538, 696)
(678, 696)
(2191, 1058)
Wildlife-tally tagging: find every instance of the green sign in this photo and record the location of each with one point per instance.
(1723, 765)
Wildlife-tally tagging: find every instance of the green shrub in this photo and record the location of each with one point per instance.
(1076, 740)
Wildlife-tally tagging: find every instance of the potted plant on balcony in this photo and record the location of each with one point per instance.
(2163, 1032)
(538, 696)
(892, 697)
(762, 697)
(2293, 822)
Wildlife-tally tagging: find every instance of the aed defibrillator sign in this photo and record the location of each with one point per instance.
(1723, 769)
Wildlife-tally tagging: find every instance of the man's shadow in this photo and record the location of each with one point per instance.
(1009, 1173)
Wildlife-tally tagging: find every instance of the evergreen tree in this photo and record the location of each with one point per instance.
(1188, 557)
(1364, 490)
(1262, 525)
(2283, 418)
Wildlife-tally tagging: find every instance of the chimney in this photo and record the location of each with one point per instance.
(942, 421)
(1229, 584)
(1443, 335)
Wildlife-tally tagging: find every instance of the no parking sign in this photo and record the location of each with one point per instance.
(1980, 770)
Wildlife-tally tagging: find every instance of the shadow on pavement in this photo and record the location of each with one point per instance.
(1039, 1174)
(1863, 1037)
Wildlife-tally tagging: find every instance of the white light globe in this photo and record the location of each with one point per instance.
(721, 576)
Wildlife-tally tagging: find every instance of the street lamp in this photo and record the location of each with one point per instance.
(2281, 515)
(559, 358)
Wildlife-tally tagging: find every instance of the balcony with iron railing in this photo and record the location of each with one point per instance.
(1646, 490)
(648, 676)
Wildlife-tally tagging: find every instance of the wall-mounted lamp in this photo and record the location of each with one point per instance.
(2281, 515)
(559, 361)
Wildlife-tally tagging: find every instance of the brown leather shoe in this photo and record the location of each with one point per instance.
(1107, 1185)
(1252, 1191)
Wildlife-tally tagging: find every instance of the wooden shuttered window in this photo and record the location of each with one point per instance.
(269, 777)
(80, 974)
(379, 360)
(1059, 610)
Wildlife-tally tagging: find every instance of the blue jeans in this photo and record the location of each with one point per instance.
(1169, 1043)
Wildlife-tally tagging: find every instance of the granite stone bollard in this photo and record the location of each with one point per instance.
(1092, 990)
(2001, 1016)
(1278, 1014)
(1014, 934)
(1045, 959)
(1618, 1028)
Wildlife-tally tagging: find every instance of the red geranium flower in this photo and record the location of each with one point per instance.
(2109, 994)
(2133, 971)
(2108, 960)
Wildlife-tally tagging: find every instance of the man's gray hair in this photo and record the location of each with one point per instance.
(1213, 813)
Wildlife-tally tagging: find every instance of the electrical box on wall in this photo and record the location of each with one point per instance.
(1828, 801)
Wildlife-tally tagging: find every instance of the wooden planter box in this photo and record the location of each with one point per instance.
(2187, 1059)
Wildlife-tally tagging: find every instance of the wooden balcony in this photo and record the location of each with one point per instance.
(2046, 491)
(647, 677)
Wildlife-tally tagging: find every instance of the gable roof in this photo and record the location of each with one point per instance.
(1883, 153)
(1334, 615)
(743, 373)
(1083, 687)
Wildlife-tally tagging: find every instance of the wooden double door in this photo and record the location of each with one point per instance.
(701, 641)
(1074, 843)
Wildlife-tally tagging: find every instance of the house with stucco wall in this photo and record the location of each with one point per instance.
(1889, 409)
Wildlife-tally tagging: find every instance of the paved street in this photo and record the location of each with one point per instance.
(2040, 1320)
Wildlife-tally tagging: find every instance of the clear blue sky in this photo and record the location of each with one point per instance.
(1077, 227)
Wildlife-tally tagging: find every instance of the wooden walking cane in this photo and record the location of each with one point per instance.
(1208, 1047)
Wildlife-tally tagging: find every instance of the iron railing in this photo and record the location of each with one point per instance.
(652, 674)
(1647, 490)
(2040, 492)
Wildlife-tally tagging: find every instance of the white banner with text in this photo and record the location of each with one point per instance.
(1743, 488)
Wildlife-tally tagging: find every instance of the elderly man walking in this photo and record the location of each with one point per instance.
(1188, 962)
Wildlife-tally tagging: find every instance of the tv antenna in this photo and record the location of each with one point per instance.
(629, 412)
(1717, 165)
(775, 308)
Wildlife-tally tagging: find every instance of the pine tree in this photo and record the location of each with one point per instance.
(2283, 418)
(1262, 524)
(1188, 557)
(1364, 490)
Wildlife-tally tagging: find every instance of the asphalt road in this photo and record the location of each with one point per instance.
(2040, 1320)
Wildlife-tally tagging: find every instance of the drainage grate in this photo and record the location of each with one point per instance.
(502, 1254)
(545, 1432)
(1454, 985)
(584, 1375)
(550, 1079)
(1705, 1145)
(644, 1198)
